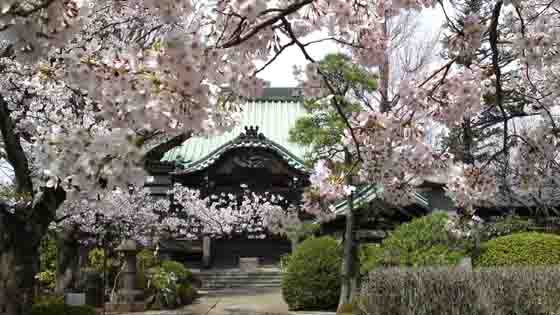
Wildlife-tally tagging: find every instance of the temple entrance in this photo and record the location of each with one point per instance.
(251, 163)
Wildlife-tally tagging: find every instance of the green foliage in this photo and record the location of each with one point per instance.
(8, 192)
(46, 299)
(186, 294)
(285, 261)
(370, 256)
(504, 226)
(304, 231)
(96, 259)
(323, 128)
(145, 260)
(178, 269)
(57, 307)
(169, 283)
(341, 72)
(521, 249)
(422, 242)
(443, 290)
(47, 279)
(312, 277)
(47, 254)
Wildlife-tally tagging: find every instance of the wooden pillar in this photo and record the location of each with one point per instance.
(206, 251)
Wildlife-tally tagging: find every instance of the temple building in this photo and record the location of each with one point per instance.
(258, 155)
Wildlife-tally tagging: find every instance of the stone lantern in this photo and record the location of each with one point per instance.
(129, 248)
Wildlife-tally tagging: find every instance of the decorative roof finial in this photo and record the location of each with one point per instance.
(252, 132)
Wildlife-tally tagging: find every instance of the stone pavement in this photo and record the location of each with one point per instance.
(240, 302)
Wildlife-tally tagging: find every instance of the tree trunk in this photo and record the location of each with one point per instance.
(67, 261)
(19, 262)
(350, 258)
(21, 233)
(385, 72)
(468, 157)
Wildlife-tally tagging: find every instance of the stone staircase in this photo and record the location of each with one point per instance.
(235, 279)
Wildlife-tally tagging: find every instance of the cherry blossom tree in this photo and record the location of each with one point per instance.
(223, 215)
(125, 214)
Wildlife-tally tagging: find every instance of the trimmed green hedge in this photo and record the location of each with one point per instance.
(312, 277)
(521, 249)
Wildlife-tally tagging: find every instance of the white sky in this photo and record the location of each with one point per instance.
(279, 73)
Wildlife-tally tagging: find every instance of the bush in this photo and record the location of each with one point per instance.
(58, 308)
(504, 226)
(96, 263)
(170, 285)
(521, 249)
(47, 269)
(46, 299)
(422, 242)
(312, 277)
(284, 261)
(178, 269)
(496, 291)
(186, 294)
(146, 259)
(370, 256)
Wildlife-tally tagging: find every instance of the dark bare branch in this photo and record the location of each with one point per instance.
(14, 150)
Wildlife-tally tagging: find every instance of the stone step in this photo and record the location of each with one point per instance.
(241, 283)
(239, 278)
(216, 280)
(237, 273)
(244, 287)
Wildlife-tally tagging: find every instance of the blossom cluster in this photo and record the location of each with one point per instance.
(463, 226)
(129, 68)
(219, 215)
(472, 186)
(117, 215)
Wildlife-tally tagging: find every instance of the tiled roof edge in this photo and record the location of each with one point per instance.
(237, 143)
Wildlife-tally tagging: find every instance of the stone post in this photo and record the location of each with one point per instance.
(466, 264)
(129, 292)
(206, 251)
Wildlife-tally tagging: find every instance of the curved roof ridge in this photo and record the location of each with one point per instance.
(274, 118)
(250, 138)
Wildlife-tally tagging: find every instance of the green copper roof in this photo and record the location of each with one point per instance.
(273, 118)
(368, 194)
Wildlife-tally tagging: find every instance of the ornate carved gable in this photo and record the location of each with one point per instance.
(251, 149)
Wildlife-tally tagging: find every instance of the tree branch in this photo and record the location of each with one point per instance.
(327, 83)
(493, 34)
(257, 28)
(14, 151)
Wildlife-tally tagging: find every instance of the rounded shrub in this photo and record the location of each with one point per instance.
(312, 277)
(520, 249)
(423, 241)
(178, 269)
